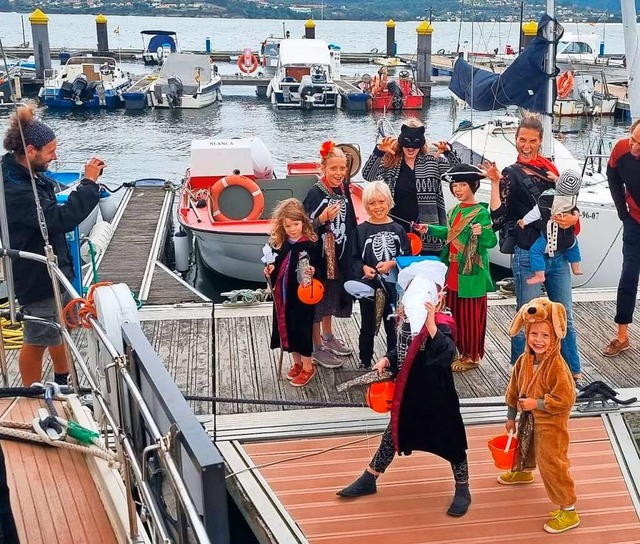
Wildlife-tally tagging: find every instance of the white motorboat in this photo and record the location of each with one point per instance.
(161, 44)
(86, 82)
(304, 76)
(600, 229)
(227, 199)
(185, 81)
(588, 95)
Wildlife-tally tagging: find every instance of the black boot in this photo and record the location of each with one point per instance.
(461, 501)
(364, 485)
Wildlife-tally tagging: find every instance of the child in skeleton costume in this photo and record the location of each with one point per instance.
(328, 204)
(376, 244)
(294, 243)
(413, 174)
(425, 413)
(552, 202)
(542, 389)
(469, 237)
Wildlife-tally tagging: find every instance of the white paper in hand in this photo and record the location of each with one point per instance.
(420, 290)
(268, 256)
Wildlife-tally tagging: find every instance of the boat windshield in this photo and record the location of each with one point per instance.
(574, 48)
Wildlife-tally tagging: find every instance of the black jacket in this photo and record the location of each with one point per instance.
(32, 281)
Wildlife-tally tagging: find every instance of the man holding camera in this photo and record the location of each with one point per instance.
(31, 147)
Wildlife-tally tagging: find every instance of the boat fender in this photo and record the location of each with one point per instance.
(565, 84)
(247, 62)
(108, 205)
(114, 306)
(181, 250)
(237, 181)
(100, 236)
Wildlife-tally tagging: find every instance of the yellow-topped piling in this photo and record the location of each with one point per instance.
(424, 28)
(391, 23)
(530, 28)
(39, 17)
(310, 29)
(101, 19)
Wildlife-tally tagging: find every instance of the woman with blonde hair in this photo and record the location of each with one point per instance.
(413, 175)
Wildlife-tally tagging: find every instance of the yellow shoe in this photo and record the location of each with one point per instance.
(561, 521)
(513, 478)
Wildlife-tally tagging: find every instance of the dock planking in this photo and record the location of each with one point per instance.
(138, 244)
(246, 367)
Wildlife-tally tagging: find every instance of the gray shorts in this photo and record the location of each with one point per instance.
(39, 334)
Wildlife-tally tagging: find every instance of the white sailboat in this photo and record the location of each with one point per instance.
(601, 230)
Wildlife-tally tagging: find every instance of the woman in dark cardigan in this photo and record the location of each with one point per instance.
(414, 177)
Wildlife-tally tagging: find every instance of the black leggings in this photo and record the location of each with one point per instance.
(368, 325)
(386, 452)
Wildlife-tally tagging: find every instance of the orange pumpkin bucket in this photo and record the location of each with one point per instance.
(503, 449)
(312, 293)
(379, 396)
(416, 243)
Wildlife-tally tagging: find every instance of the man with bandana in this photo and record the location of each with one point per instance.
(31, 147)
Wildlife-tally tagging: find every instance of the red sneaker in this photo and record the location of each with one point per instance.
(294, 371)
(303, 378)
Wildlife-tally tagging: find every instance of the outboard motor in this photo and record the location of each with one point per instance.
(394, 88)
(176, 90)
(307, 90)
(584, 88)
(77, 88)
(262, 160)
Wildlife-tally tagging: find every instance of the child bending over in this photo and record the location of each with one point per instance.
(425, 413)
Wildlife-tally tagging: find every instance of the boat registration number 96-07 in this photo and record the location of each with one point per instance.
(589, 215)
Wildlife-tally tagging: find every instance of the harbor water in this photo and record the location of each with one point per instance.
(157, 143)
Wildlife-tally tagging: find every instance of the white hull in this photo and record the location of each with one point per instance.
(209, 94)
(601, 231)
(233, 255)
(575, 108)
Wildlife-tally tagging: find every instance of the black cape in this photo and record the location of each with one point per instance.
(294, 315)
(425, 411)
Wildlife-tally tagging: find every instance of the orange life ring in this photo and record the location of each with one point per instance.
(565, 84)
(237, 181)
(244, 67)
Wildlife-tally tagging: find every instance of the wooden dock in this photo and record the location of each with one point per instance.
(245, 367)
(134, 254)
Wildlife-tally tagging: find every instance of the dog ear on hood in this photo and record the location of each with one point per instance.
(559, 319)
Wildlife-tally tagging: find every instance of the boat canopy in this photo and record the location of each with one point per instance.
(160, 37)
(523, 83)
(191, 69)
(304, 52)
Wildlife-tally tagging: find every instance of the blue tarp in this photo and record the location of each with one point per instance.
(523, 83)
(159, 41)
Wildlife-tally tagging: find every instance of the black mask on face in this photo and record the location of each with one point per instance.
(411, 137)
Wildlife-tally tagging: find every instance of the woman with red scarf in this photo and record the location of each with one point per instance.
(513, 192)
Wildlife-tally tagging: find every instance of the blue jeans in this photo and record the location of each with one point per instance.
(537, 254)
(558, 284)
(628, 285)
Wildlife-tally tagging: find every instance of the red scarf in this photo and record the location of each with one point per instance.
(542, 163)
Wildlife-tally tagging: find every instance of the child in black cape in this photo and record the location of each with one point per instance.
(425, 413)
(293, 241)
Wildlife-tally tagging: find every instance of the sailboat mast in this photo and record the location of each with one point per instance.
(631, 51)
(550, 65)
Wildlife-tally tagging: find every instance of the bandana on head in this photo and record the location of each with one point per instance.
(38, 134)
(412, 137)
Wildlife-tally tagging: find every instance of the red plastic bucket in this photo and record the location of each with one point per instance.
(497, 445)
(379, 396)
